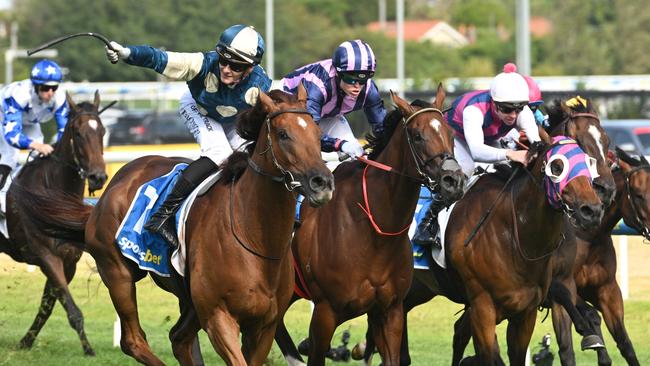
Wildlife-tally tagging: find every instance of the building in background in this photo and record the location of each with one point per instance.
(434, 31)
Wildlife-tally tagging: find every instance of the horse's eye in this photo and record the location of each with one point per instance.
(417, 137)
(283, 135)
(556, 167)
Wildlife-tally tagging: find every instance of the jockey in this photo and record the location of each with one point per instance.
(25, 105)
(338, 86)
(221, 84)
(535, 101)
(479, 119)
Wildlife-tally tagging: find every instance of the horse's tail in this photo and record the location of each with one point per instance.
(55, 213)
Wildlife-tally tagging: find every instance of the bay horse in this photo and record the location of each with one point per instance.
(77, 158)
(595, 267)
(239, 271)
(353, 256)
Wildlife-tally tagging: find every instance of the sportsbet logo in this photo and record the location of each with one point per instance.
(126, 244)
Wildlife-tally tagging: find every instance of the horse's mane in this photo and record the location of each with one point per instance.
(249, 123)
(377, 143)
(559, 111)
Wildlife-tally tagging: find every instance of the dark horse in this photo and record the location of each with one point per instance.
(595, 266)
(239, 273)
(353, 255)
(77, 157)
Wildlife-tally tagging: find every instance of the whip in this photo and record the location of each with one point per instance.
(65, 38)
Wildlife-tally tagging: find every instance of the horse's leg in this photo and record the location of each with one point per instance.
(257, 342)
(593, 317)
(321, 329)
(45, 310)
(223, 331)
(562, 329)
(184, 336)
(610, 302)
(520, 330)
(121, 287)
(285, 342)
(387, 332)
(483, 320)
(462, 335)
(565, 296)
(60, 271)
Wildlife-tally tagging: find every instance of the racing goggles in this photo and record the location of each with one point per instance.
(353, 78)
(234, 66)
(507, 108)
(46, 88)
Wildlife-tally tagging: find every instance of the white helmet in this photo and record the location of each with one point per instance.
(509, 86)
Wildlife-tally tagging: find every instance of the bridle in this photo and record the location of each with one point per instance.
(640, 226)
(287, 178)
(420, 163)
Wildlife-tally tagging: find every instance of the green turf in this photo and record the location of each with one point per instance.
(430, 326)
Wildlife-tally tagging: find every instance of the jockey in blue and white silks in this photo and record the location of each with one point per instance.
(338, 86)
(25, 105)
(221, 84)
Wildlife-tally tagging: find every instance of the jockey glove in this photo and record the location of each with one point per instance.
(353, 148)
(120, 52)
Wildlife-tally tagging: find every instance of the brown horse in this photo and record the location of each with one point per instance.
(354, 254)
(595, 267)
(238, 261)
(77, 157)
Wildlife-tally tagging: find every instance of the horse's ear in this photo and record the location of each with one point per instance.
(267, 102)
(302, 94)
(71, 103)
(401, 104)
(97, 101)
(544, 136)
(440, 97)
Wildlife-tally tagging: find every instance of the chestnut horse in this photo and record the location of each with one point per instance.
(354, 254)
(77, 157)
(239, 273)
(595, 267)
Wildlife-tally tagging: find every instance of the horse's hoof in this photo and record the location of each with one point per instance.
(591, 342)
(358, 351)
(26, 343)
(89, 352)
(466, 361)
(303, 347)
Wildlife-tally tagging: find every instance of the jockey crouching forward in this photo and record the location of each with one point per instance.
(25, 105)
(338, 86)
(479, 119)
(221, 84)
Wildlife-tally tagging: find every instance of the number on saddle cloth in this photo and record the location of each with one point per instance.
(148, 250)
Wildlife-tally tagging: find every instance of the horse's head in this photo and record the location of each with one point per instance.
(429, 140)
(567, 180)
(289, 143)
(577, 118)
(636, 191)
(84, 133)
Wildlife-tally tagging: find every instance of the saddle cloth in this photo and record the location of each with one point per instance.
(149, 250)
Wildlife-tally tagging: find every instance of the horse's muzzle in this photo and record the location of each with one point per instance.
(589, 215)
(96, 181)
(605, 192)
(452, 182)
(319, 188)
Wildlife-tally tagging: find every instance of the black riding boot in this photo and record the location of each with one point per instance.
(425, 233)
(5, 171)
(162, 221)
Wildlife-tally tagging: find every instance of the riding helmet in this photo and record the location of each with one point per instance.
(509, 86)
(355, 57)
(241, 43)
(46, 72)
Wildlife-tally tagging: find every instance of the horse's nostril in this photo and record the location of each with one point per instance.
(590, 211)
(318, 183)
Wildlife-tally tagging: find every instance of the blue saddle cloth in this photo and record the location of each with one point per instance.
(421, 254)
(148, 250)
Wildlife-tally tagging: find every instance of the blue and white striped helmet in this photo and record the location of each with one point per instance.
(354, 56)
(241, 43)
(46, 72)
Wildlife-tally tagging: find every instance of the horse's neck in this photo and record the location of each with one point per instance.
(266, 205)
(614, 213)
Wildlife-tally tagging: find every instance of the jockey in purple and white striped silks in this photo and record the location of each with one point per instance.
(575, 164)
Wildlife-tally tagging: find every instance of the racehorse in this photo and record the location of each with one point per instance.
(353, 255)
(576, 118)
(77, 157)
(239, 273)
(595, 267)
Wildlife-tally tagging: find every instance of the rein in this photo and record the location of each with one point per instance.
(642, 228)
(423, 179)
(286, 178)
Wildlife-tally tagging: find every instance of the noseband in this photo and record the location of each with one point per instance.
(420, 163)
(640, 226)
(286, 178)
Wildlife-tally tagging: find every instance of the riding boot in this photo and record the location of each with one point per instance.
(425, 233)
(162, 221)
